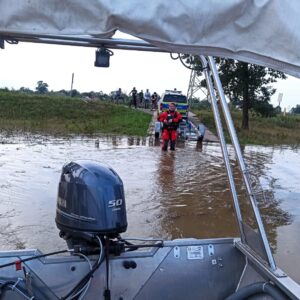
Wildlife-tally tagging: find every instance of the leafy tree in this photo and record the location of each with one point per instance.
(75, 93)
(5, 89)
(196, 103)
(63, 92)
(296, 110)
(25, 90)
(249, 84)
(246, 85)
(265, 109)
(90, 94)
(42, 87)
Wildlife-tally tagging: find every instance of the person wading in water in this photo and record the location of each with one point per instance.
(170, 120)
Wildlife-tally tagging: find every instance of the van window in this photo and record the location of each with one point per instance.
(175, 98)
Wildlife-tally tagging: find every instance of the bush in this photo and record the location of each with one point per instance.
(264, 109)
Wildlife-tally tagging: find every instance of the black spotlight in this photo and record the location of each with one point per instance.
(102, 57)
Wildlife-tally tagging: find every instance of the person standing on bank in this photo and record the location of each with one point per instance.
(134, 97)
(147, 97)
(141, 98)
(154, 101)
(170, 120)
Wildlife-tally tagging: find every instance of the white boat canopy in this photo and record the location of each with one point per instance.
(264, 32)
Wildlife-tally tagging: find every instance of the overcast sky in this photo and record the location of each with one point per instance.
(24, 64)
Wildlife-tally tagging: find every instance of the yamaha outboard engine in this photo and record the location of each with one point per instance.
(90, 202)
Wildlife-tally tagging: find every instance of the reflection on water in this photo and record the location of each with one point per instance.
(192, 191)
(263, 189)
(169, 195)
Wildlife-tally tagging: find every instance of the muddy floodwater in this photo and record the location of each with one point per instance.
(168, 195)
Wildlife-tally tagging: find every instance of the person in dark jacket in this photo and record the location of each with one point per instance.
(154, 99)
(134, 97)
(170, 120)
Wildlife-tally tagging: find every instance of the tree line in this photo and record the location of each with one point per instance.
(42, 88)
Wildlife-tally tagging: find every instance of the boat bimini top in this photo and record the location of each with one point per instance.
(264, 32)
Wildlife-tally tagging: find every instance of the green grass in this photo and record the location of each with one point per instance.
(66, 115)
(262, 131)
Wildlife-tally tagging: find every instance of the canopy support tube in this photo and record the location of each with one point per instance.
(240, 159)
(223, 145)
(122, 44)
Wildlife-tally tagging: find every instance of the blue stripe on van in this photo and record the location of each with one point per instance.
(179, 107)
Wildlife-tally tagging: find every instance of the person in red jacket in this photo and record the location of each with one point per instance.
(170, 120)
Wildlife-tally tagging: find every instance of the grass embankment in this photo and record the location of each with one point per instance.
(262, 131)
(66, 115)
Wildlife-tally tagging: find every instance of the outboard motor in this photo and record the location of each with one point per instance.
(90, 202)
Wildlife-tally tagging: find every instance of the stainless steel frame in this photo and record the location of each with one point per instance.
(211, 66)
(83, 41)
(241, 161)
(223, 145)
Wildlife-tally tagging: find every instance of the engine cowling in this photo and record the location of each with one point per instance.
(90, 201)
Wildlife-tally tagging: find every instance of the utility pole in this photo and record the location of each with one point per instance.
(72, 81)
(194, 86)
(279, 100)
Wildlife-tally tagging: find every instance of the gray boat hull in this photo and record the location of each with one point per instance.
(181, 269)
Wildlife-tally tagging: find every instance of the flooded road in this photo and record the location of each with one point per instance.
(168, 195)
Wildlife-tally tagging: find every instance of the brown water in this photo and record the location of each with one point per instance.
(168, 195)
